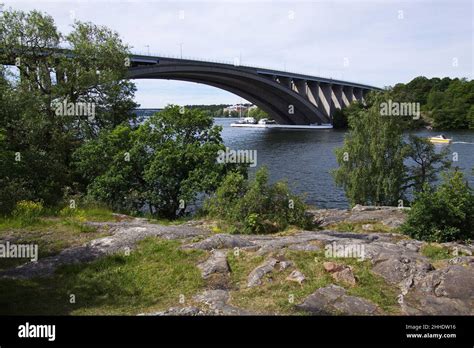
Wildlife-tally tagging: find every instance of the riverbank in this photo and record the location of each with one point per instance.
(355, 263)
(306, 158)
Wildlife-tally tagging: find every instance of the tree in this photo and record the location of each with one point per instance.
(371, 168)
(162, 165)
(341, 116)
(45, 78)
(258, 114)
(425, 163)
(445, 214)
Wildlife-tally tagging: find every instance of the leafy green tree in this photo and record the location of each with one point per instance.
(424, 163)
(451, 109)
(371, 168)
(341, 116)
(445, 214)
(162, 165)
(258, 114)
(45, 77)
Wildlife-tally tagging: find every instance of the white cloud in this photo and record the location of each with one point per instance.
(306, 36)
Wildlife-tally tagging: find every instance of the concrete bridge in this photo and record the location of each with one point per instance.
(288, 97)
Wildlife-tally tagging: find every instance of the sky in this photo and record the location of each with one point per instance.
(376, 42)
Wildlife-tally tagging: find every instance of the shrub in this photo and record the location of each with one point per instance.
(445, 214)
(256, 207)
(28, 212)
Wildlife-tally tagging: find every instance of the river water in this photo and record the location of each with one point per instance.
(305, 158)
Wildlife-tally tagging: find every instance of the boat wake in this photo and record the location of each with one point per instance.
(462, 142)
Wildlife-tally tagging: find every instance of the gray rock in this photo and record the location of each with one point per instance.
(462, 260)
(284, 264)
(221, 241)
(423, 304)
(217, 301)
(454, 281)
(255, 277)
(296, 276)
(396, 269)
(177, 311)
(304, 247)
(216, 263)
(332, 300)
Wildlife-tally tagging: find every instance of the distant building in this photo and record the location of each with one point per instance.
(237, 108)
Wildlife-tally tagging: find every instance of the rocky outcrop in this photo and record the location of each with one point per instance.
(125, 235)
(221, 241)
(425, 287)
(389, 216)
(332, 300)
(216, 263)
(255, 277)
(217, 302)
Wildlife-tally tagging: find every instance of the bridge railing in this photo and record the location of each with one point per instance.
(228, 62)
(154, 54)
(337, 76)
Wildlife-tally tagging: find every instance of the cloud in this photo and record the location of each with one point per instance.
(383, 42)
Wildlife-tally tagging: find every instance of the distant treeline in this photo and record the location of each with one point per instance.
(444, 103)
(216, 110)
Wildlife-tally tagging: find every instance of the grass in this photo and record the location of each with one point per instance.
(435, 252)
(151, 278)
(277, 295)
(357, 227)
(53, 233)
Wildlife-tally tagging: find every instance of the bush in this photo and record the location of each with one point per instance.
(28, 212)
(256, 207)
(445, 214)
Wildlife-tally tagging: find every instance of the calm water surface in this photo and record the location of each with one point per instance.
(305, 158)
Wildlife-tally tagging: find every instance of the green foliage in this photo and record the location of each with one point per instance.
(36, 141)
(452, 108)
(258, 114)
(162, 164)
(341, 116)
(256, 206)
(445, 214)
(28, 212)
(371, 168)
(435, 252)
(445, 103)
(425, 163)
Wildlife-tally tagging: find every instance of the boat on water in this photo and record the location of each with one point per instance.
(440, 139)
(247, 120)
(266, 121)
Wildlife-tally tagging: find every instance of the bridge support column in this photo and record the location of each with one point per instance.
(347, 95)
(300, 87)
(325, 96)
(358, 94)
(337, 96)
(312, 92)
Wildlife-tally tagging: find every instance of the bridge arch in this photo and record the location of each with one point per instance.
(285, 105)
(288, 97)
